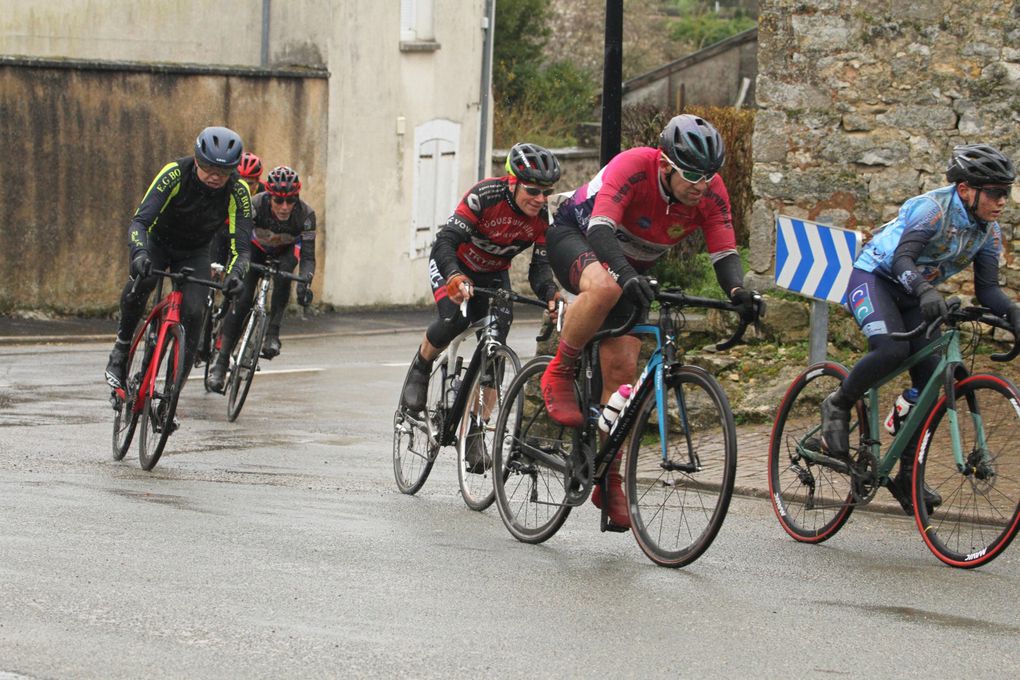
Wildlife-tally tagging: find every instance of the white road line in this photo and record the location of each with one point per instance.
(290, 370)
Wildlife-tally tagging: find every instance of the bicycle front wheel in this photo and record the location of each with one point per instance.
(980, 510)
(681, 468)
(530, 459)
(246, 363)
(478, 425)
(416, 435)
(125, 420)
(812, 501)
(157, 417)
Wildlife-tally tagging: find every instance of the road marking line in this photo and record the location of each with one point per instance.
(289, 370)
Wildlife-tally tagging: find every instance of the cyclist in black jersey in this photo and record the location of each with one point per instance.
(498, 218)
(185, 205)
(283, 223)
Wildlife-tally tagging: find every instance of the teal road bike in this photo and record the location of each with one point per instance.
(967, 429)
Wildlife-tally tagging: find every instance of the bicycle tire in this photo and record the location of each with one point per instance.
(980, 511)
(125, 419)
(216, 329)
(161, 403)
(415, 439)
(205, 345)
(246, 363)
(678, 505)
(811, 501)
(530, 496)
(476, 484)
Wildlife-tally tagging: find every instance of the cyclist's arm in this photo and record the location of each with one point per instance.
(602, 239)
(986, 282)
(307, 268)
(720, 239)
(920, 226)
(540, 274)
(449, 238)
(157, 197)
(240, 215)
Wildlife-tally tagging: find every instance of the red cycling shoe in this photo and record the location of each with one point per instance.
(559, 396)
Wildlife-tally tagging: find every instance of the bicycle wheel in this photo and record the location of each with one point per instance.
(205, 340)
(980, 511)
(678, 495)
(416, 436)
(214, 342)
(477, 426)
(245, 363)
(161, 403)
(531, 491)
(125, 420)
(812, 501)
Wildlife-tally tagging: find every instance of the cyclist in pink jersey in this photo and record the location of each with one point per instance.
(606, 237)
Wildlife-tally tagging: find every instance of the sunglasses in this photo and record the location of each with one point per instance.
(535, 191)
(217, 170)
(690, 176)
(995, 193)
(280, 200)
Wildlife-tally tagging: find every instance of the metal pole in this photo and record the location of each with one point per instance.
(612, 81)
(265, 33)
(818, 343)
(489, 26)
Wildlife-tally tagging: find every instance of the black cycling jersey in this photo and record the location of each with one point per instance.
(274, 237)
(180, 212)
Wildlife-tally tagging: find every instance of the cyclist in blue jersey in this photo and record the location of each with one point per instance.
(893, 285)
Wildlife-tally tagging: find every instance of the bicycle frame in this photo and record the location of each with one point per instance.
(168, 310)
(451, 419)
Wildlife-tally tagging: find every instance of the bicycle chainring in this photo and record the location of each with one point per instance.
(864, 476)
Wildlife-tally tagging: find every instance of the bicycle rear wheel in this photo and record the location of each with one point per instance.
(980, 511)
(812, 501)
(157, 418)
(530, 456)
(678, 496)
(416, 435)
(478, 425)
(125, 420)
(246, 363)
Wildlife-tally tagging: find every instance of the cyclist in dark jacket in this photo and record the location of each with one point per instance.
(185, 205)
(284, 224)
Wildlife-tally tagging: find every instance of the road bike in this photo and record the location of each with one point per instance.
(155, 374)
(967, 427)
(682, 455)
(216, 309)
(244, 359)
(460, 408)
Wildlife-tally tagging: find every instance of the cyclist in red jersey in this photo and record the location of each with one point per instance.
(609, 234)
(495, 220)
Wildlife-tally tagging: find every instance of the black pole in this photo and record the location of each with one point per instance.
(612, 81)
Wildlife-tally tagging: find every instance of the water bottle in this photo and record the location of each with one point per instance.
(899, 411)
(612, 410)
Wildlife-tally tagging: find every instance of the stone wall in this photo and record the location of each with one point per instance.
(862, 101)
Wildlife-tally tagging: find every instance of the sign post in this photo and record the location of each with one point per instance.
(815, 260)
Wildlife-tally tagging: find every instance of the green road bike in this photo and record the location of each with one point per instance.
(967, 450)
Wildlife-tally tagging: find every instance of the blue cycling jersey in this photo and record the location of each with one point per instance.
(953, 238)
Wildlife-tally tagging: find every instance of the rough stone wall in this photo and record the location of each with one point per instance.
(862, 101)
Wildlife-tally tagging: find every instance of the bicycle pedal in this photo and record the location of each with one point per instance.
(615, 528)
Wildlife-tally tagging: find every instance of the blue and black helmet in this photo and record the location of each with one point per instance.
(692, 143)
(219, 146)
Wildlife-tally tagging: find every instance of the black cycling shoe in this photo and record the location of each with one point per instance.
(900, 488)
(476, 457)
(416, 384)
(271, 345)
(116, 367)
(835, 429)
(217, 377)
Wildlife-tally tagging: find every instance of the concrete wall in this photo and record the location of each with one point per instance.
(81, 143)
(862, 101)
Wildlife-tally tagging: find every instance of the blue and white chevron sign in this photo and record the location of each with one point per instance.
(814, 259)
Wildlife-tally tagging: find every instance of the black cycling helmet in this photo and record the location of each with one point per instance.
(532, 164)
(692, 143)
(218, 146)
(283, 181)
(250, 166)
(979, 165)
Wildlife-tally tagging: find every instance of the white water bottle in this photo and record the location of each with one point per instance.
(612, 410)
(899, 411)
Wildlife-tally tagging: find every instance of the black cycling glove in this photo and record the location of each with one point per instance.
(233, 284)
(304, 294)
(746, 300)
(933, 305)
(638, 289)
(141, 265)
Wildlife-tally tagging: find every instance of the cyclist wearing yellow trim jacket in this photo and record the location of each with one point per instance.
(183, 208)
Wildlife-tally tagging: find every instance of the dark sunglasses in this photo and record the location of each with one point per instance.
(280, 200)
(995, 193)
(695, 177)
(216, 170)
(535, 191)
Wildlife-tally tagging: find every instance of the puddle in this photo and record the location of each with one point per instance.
(914, 615)
(176, 502)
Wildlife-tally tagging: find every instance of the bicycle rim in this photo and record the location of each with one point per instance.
(245, 365)
(530, 495)
(157, 417)
(125, 419)
(414, 454)
(678, 503)
(811, 501)
(980, 510)
(478, 426)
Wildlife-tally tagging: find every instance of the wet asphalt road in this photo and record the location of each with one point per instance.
(278, 546)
